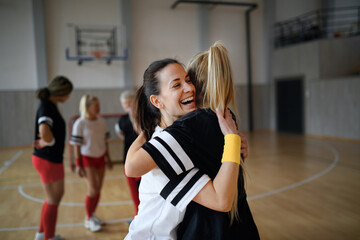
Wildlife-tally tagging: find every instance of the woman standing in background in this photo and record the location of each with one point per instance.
(48, 152)
(90, 135)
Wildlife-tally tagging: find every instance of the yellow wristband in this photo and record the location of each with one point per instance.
(232, 148)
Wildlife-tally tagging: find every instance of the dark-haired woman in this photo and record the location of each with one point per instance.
(48, 152)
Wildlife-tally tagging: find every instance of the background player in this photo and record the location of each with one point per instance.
(89, 136)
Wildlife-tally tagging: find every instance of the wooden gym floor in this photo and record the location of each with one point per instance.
(298, 188)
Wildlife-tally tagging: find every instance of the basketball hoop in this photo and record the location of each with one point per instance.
(98, 53)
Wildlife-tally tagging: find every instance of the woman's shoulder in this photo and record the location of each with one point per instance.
(80, 121)
(45, 103)
(198, 115)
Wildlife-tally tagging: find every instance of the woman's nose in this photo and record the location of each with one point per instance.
(188, 87)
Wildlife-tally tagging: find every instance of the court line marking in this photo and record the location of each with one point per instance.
(332, 165)
(63, 225)
(6, 164)
(302, 182)
(71, 204)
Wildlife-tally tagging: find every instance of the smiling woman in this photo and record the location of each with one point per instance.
(177, 91)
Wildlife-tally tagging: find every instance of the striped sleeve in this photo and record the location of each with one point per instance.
(168, 155)
(45, 119)
(77, 133)
(181, 190)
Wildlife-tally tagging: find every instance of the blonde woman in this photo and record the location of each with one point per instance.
(215, 89)
(89, 136)
(48, 152)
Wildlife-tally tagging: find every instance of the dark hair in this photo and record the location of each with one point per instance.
(147, 116)
(59, 86)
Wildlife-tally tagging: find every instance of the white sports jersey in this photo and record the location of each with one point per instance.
(91, 136)
(158, 218)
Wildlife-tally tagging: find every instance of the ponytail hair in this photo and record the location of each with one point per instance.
(147, 116)
(59, 86)
(220, 85)
(85, 102)
(43, 93)
(212, 76)
(213, 79)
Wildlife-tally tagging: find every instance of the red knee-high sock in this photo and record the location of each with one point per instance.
(49, 221)
(134, 191)
(95, 203)
(88, 206)
(41, 227)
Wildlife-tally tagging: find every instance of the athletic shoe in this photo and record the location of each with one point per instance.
(56, 237)
(92, 225)
(41, 236)
(98, 220)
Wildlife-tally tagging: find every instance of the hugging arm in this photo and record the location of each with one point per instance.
(218, 194)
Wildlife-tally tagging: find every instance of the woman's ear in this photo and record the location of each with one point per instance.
(156, 102)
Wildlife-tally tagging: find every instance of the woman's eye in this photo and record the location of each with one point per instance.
(176, 85)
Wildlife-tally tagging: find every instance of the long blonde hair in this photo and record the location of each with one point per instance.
(212, 75)
(85, 102)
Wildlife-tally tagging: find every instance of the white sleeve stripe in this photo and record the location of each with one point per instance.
(178, 150)
(189, 196)
(187, 189)
(45, 119)
(181, 185)
(166, 155)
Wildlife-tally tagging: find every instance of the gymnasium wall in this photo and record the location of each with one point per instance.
(157, 32)
(17, 46)
(331, 92)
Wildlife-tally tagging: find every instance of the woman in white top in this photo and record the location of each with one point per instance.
(89, 136)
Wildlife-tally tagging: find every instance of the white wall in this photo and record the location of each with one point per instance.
(160, 32)
(17, 47)
(227, 23)
(81, 12)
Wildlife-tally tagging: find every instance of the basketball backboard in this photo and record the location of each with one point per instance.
(92, 42)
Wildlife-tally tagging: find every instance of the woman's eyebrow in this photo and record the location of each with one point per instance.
(174, 80)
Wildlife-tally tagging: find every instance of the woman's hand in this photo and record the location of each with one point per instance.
(80, 171)
(245, 150)
(226, 122)
(40, 143)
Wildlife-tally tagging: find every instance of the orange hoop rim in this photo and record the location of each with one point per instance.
(97, 53)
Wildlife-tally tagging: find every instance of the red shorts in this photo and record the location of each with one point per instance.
(98, 163)
(48, 171)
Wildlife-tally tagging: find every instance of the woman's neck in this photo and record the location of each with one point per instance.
(166, 122)
(53, 99)
(90, 117)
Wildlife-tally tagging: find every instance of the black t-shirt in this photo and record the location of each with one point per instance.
(201, 138)
(49, 114)
(130, 135)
